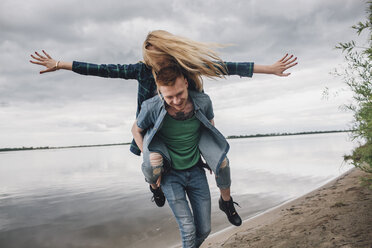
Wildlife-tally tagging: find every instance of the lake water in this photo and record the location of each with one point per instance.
(97, 197)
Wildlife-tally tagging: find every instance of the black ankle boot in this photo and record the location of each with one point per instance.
(229, 209)
(158, 196)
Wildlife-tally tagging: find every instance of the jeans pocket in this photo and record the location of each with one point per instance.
(201, 168)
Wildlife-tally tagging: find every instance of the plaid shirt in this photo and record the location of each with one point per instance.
(146, 82)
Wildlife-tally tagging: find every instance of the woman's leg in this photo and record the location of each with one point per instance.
(224, 179)
(226, 202)
(152, 167)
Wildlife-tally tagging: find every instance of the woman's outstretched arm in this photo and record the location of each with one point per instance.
(49, 63)
(278, 68)
(246, 69)
(125, 71)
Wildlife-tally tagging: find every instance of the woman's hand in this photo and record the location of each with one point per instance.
(47, 61)
(282, 65)
(278, 68)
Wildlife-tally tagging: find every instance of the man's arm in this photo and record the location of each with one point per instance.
(137, 135)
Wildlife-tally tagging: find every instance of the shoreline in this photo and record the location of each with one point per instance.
(31, 148)
(321, 212)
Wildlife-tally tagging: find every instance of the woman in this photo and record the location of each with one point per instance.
(161, 48)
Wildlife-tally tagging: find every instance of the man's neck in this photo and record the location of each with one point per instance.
(186, 113)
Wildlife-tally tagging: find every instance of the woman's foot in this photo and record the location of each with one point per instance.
(229, 209)
(158, 196)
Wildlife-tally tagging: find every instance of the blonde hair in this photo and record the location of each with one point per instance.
(195, 58)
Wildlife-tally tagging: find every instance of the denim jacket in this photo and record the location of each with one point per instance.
(146, 82)
(212, 144)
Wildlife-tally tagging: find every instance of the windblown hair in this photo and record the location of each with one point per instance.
(168, 75)
(196, 59)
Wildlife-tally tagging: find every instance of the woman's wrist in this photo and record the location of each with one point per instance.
(266, 69)
(63, 65)
(56, 67)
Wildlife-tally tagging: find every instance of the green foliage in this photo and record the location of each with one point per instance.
(358, 77)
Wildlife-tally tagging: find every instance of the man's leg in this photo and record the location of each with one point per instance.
(200, 199)
(226, 202)
(174, 184)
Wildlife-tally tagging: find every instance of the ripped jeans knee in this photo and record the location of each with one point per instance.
(224, 178)
(153, 169)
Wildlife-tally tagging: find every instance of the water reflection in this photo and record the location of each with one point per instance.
(97, 197)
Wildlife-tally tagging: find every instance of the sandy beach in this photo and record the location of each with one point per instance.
(338, 214)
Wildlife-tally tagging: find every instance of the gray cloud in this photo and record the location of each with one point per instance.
(68, 108)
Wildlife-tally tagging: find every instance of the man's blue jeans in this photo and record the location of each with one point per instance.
(194, 225)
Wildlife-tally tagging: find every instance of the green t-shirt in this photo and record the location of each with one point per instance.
(181, 139)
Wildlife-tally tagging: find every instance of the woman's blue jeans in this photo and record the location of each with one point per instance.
(223, 180)
(194, 223)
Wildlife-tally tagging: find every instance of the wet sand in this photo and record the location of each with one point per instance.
(338, 214)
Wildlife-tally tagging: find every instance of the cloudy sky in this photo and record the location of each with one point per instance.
(64, 108)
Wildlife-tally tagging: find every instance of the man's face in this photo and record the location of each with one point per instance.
(176, 96)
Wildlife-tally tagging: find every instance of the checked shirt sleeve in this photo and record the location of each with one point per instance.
(243, 69)
(130, 71)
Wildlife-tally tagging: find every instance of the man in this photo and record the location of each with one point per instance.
(173, 131)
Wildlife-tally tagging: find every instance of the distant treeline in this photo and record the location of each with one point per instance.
(284, 134)
(58, 147)
(119, 144)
